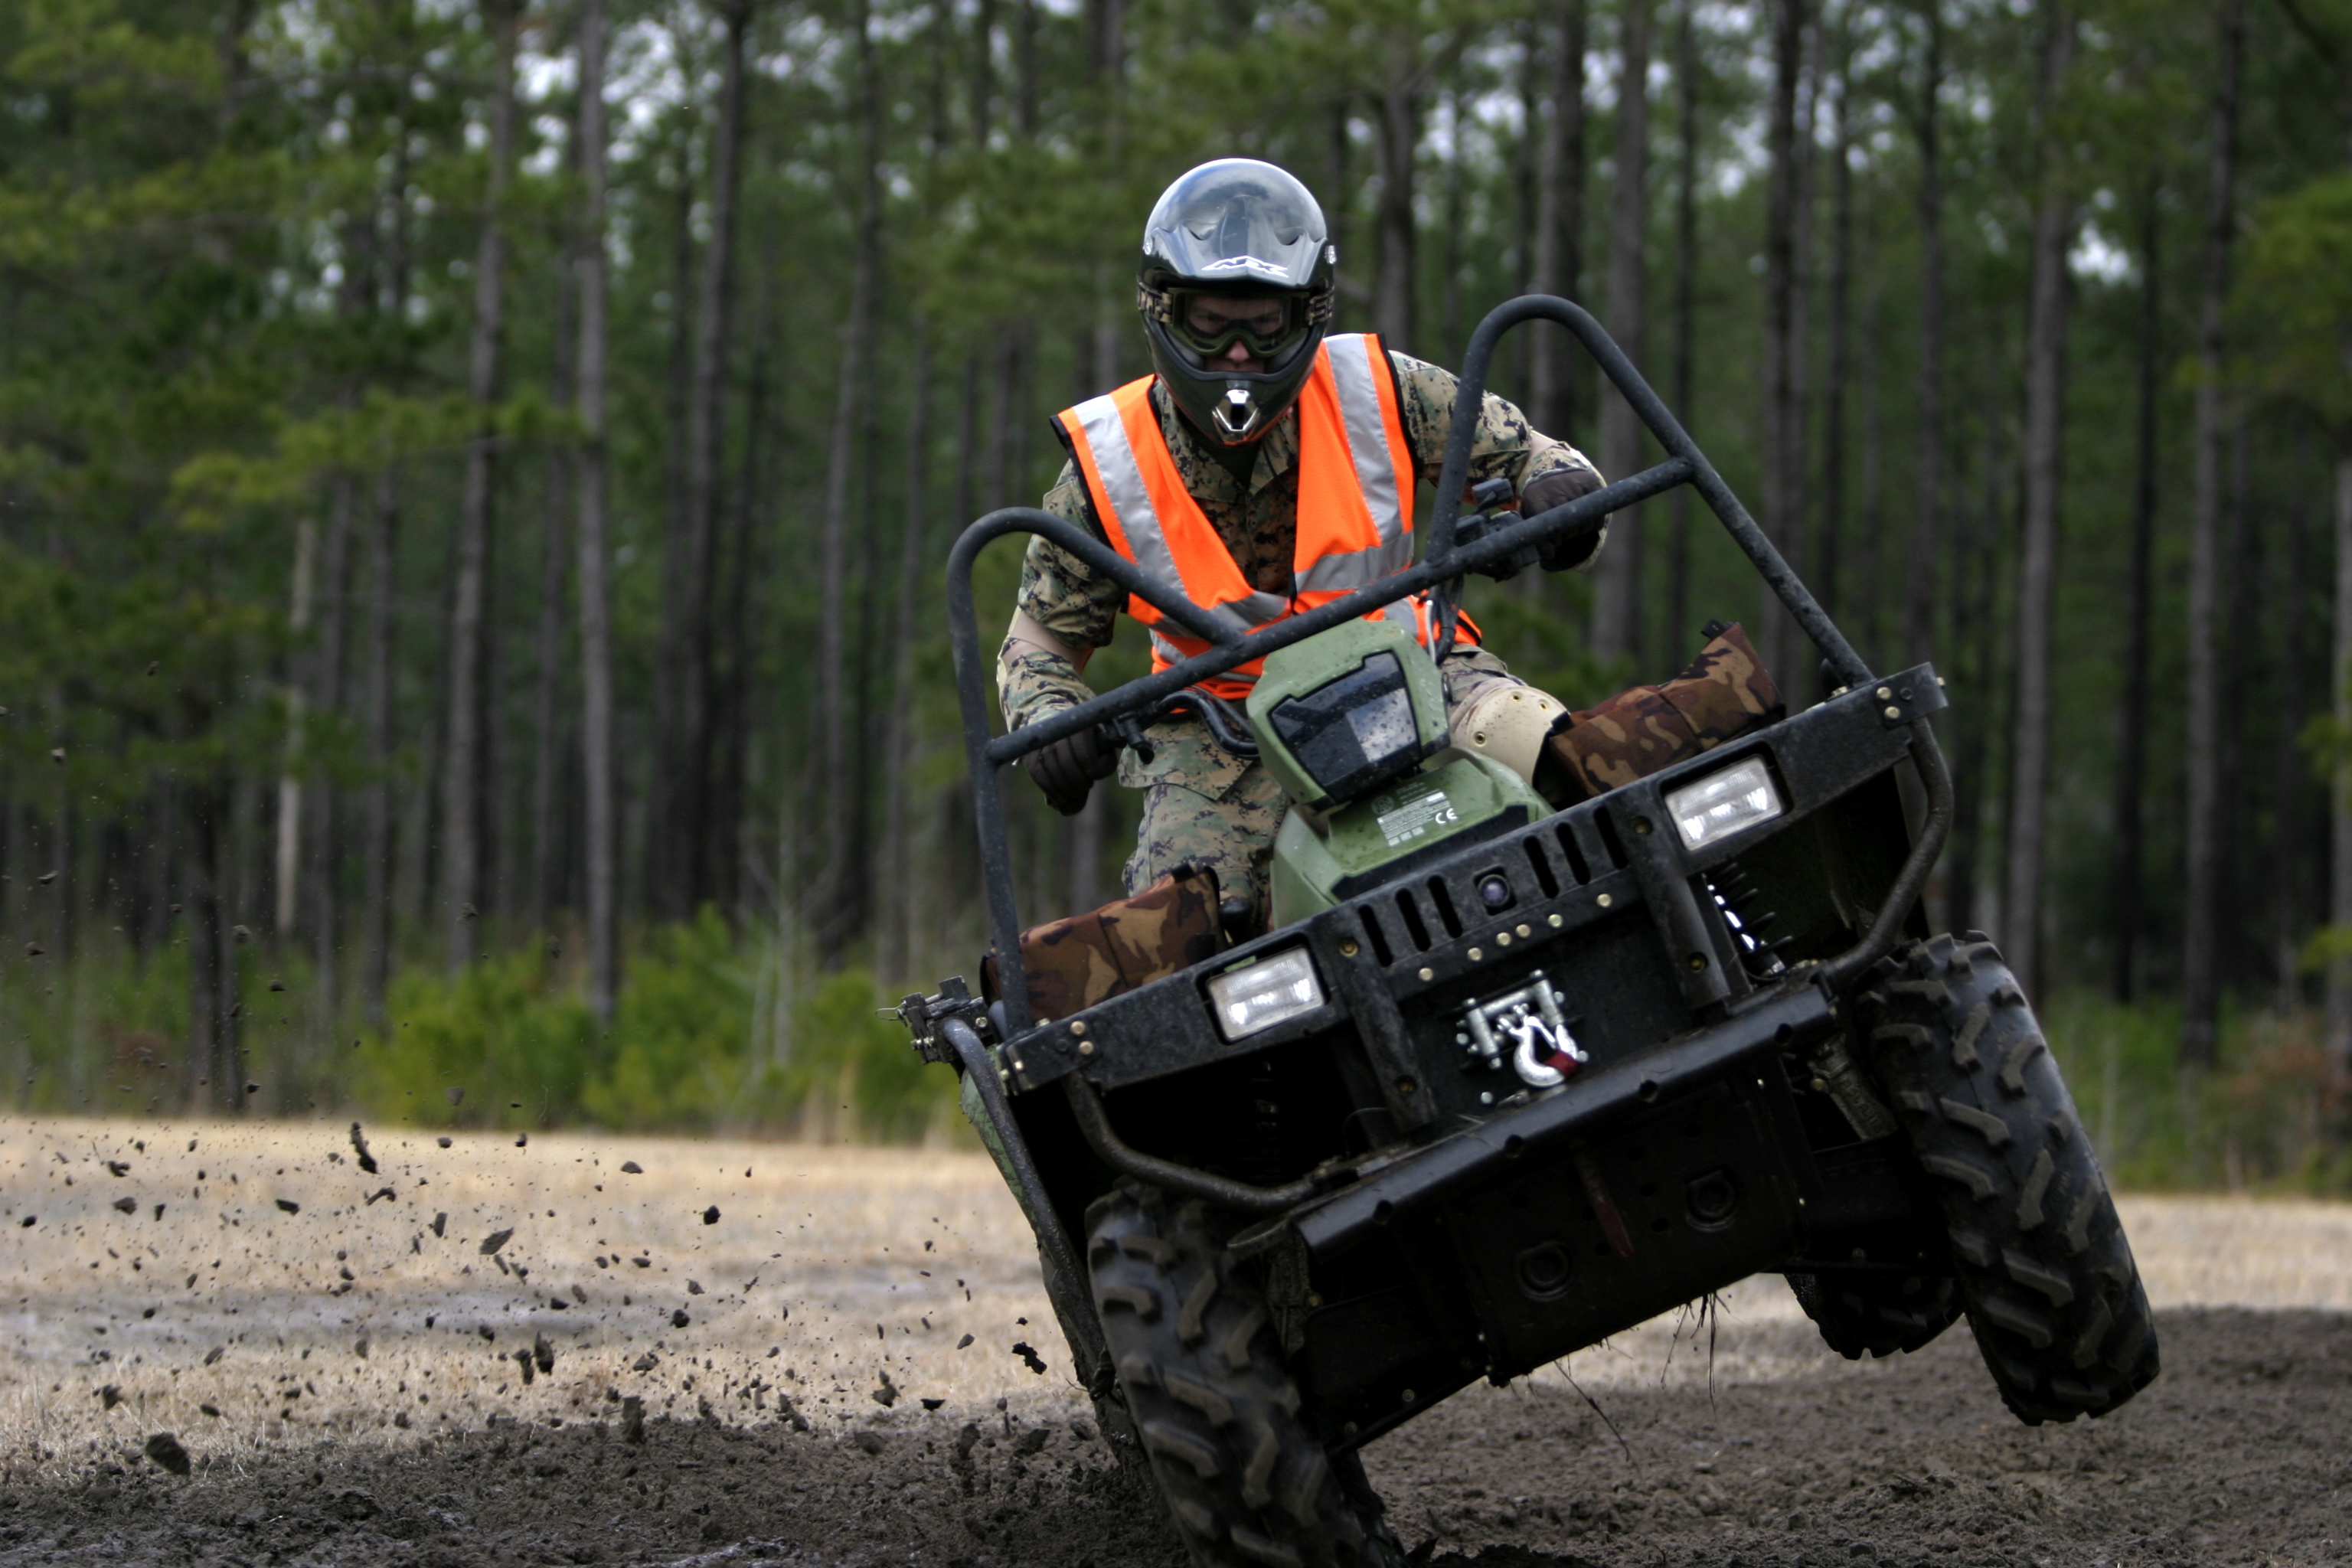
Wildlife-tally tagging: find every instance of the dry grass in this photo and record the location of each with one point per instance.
(826, 1269)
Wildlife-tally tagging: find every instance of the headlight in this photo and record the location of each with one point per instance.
(1260, 995)
(1353, 734)
(1724, 803)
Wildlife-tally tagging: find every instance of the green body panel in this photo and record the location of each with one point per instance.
(1420, 810)
(1311, 664)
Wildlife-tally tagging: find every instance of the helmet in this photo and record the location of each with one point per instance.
(1235, 251)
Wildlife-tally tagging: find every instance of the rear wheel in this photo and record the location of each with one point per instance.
(1215, 1410)
(2053, 1294)
(1876, 1314)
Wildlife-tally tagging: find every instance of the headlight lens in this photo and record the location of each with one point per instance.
(1722, 803)
(1259, 996)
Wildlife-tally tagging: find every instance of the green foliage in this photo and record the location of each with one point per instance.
(503, 1031)
(2297, 295)
(2265, 1119)
(679, 1055)
(684, 1053)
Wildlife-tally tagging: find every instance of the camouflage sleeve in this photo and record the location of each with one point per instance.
(1063, 596)
(1506, 444)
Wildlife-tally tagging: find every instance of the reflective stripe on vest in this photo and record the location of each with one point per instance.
(1355, 500)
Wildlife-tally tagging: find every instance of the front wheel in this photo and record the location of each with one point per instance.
(1216, 1409)
(2051, 1291)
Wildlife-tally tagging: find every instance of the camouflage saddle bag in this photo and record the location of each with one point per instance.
(1725, 693)
(1075, 962)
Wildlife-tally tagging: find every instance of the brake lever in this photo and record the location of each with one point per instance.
(1498, 507)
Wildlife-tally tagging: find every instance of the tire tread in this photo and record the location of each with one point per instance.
(2053, 1294)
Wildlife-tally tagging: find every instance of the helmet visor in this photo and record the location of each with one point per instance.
(1210, 323)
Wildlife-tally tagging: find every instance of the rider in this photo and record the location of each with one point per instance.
(1269, 467)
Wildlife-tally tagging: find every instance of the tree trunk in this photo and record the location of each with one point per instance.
(602, 797)
(1780, 409)
(1795, 655)
(2200, 973)
(1927, 525)
(2045, 412)
(462, 809)
(325, 861)
(2131, 744)
(376, 803)
(894, 961)
(1827, 554)
(1617, 597)
(983, 69)
(1560, 225)
(1457, 200)
(690, 816)
(2339, 795)
(547, 709)
(288, 879)
(2290, 846)
(215, 1061)
(1526, 203)
(1396, 119)
(1338, 210)
(668, 788)
(1976, 549)
(731, 708)
(1870, 501)
(836, 757)
(383, 532)
(1678, 624)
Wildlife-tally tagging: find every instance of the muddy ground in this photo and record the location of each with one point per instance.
(820, 1404)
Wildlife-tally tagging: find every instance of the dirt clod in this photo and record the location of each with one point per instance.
(496, 1239)
(360, 1147)
(126, 1204)
(1029, 1357)
(287, 1205)
(633, 1419)
(165, 1450)
(631, 1168)
(710, 1214)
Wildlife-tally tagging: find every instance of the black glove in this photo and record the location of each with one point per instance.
(1067, 770)
(1558, 488)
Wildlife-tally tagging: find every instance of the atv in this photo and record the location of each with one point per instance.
(1501, 1080)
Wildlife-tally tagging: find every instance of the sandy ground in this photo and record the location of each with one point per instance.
(447, 1359)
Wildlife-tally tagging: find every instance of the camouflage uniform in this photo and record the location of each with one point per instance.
(1202, 803)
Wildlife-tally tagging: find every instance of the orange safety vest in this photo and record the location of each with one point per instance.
(1355, 503)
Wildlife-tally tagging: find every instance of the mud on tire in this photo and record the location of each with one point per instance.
(1218, 1414)
(1876, 1314)
(2053, 1294)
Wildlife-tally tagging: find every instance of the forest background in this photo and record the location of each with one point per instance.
(474, 477)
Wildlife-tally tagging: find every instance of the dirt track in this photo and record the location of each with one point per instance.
(430, 1449)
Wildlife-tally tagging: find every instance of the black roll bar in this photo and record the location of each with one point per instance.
(987, 756)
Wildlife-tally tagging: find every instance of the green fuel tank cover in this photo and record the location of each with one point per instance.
(1316, 869)
(1347, 711)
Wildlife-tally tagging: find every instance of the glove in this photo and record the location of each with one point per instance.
(1558, 488)
(1068, 769)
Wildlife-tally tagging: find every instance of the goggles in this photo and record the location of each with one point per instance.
(1210, 324)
